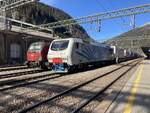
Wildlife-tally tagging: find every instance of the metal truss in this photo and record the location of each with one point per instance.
(23, 25)
(102, 16)
(10, 4)
(8, 23)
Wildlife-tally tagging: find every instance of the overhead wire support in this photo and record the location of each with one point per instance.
(133, 24)
(24, 25)
(9, 24)
(102, 16)
(11, 4)
(98, 25)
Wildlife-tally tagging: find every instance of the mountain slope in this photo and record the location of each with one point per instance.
(40, 13)
(133, 39)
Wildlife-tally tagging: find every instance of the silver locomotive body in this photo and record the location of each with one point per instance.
(72, 53)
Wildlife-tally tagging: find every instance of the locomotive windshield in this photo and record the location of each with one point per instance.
(59, 45)
(36, 47)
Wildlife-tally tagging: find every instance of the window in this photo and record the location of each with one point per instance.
(77, 45)
(59, 45)
(36, 47)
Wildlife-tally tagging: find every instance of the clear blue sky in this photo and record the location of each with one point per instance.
(109, 28)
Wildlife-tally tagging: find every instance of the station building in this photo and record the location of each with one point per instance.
(13, 46)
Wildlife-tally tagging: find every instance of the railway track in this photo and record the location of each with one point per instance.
(11, 84)
(18, 73)
(101, 91)
(79, 86)
(12, 68)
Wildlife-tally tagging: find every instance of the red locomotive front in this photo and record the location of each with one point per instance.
(33, 56)
(37, 55)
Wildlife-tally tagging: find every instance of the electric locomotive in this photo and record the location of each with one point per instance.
(68, 54)
(37, 55)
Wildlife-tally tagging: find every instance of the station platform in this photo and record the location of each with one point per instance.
(135, 95)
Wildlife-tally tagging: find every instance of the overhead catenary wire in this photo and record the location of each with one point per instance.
(11, 4)
(106, 11)
(102, 16)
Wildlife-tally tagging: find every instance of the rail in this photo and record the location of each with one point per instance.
(70, 90)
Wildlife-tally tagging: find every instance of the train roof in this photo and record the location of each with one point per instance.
(90, 41)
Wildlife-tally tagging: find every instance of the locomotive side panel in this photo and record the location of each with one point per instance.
(88, 53)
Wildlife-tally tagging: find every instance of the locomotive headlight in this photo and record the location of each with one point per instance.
(65, 59)
(40, 58)
(50, 60)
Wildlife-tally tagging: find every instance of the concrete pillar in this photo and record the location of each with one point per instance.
(2, 48)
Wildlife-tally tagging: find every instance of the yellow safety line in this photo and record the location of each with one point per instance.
(134, 89)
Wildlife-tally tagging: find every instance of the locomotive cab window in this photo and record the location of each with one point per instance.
(59, 45)
(35, 47)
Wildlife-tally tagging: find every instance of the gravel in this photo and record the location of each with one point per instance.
(7, 82)
(12, 101)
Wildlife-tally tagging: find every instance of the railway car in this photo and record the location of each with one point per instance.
(37, 55)
(72, 53)
(121, 54)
